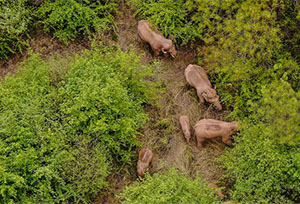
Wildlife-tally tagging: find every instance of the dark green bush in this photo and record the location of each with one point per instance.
(289, 21)
(69, 18)
(15, 19)
(171, 187)
(170, 17)
(63, 123)
(264, 164)
(244, 50)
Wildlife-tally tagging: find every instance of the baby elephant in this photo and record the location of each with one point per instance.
(216, 189)
(210, 128)
(156, 40)
(197, 77)
(185, 126)
(145, 158)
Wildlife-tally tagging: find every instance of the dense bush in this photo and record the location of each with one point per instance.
(69, 18)
(289, 21)
(105, 94)
(171, 187)
(264, 164)
(64, 122)
(170, 17)
(245, 49)
(15, 19)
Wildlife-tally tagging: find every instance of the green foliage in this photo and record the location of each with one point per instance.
(105, 94)
(171, 18)
(289, 21)
(69, 18)
(14, 25)
(171, 187)
(63, 122)
(270, 111)
(242, 46)
(244, 49)
(264, 164)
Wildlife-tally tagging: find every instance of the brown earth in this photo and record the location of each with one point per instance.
(162, 133)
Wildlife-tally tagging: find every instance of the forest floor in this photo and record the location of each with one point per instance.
(162, 133)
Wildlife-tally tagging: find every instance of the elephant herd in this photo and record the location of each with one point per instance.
(196, 77)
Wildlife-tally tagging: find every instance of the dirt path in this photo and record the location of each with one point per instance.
(162, 133)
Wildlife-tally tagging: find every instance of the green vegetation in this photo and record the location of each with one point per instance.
(175, 188)
(241, 46)
(69, 18)
(265, 163)
(66, 19)
(245, 52)
(14, 26)
(64, 123)
(171, 17)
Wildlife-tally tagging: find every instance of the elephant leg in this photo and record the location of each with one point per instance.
(200, 142)
(201, 99)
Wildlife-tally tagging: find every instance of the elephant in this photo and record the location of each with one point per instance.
(145, 158)
(197, 77)
(210, 128)
(156, 40)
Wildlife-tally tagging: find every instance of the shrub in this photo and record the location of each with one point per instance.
(244, 51)
(264, 164)
(69, 18)
(289, 22)
(63, 122)
(105, 94)
(171, 18)
(171, 187)
(15, 19)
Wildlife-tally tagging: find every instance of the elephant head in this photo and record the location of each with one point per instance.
(210, 95)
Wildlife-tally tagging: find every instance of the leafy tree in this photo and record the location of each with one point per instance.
(244, 51)
(264, 164)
